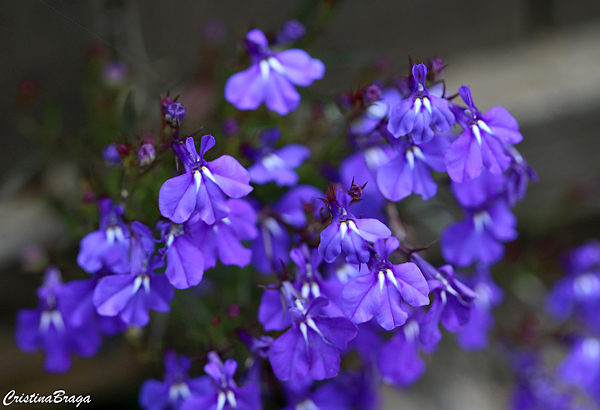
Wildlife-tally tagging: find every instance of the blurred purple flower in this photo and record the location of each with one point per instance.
(271, 77)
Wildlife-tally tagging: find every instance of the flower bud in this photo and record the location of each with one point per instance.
(146, 154)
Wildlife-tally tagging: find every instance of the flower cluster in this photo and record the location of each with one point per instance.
(339, 276)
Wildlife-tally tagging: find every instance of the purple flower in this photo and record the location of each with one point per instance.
(111, 155)
(224, 393)
(473, 335)
(291, 31)
(422, 112)
(410, 169)
(131, 296)
(452, 304)
(311, 285)
(204, 186)
(45, 328)
(277, 165)
(482, 143)
(224, 238)
(536, 388)
(185, 260)
(398, 359)
(176, 387)
(108, 247)
(488, 223)
(577, 293)
(377, 113)
(517, 177)
(348, 234)
(76, 300)
(271, 77)
(312, 345)
(581, 367)
(271, 247)
(273, 311)
(383, 291)
(297, 202)
(584, 258)
(175, 113)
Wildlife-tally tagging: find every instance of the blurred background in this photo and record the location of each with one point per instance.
(538, 58)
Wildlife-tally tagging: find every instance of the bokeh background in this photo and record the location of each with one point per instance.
(538, 58)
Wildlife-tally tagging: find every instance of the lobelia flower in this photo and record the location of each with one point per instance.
(348, 234)
(277, 166)
(579, 292)
(584, 258)
(581, 367)
(474, 334)
(131, 296)
(535, 388)
(312, 345)
(311, 284)
(517, 177)
(224, 392)
(273, 311)
(111, 155)
(382, 293)
(175, 388)
(296, 203)
(482, 143)
(185, 260)
(223, 238)
(398, 359)
(377, 113)
(361, 168)
(409, 171)
(108, 247)
(422, 112)
(77, 302)
(45, 328)
(452, 304)
(271, 77)
(271, 247)
(204, 186)
(488, 223)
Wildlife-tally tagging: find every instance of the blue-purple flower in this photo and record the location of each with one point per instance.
(223, 239)
(474, 334)
(488, 223)
(108, 247)
(271, 77)
(482, 143)
(131, 296)
(312, 345)
(409, 171)
(175, 388)
(347, 234)
(205, 185)
(382, 293)
(422, 113)
(276, 165)
(45, 328)
(223, 392)
(578, 293)
(581, 367)
(185, 260)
